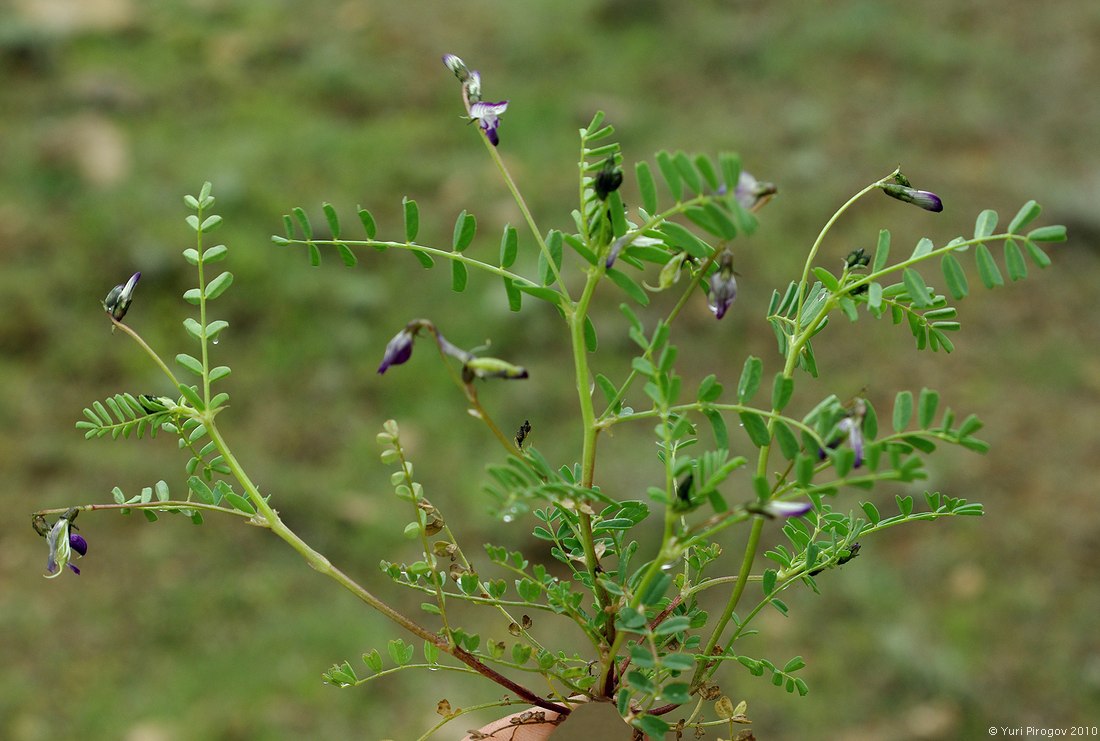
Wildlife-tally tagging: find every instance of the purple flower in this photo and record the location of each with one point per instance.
(723, 286)
(398, 350)
(118, 300)
(927, 200)
(487, 117)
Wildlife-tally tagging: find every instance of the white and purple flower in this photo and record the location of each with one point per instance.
(723, 286)
(486, 114)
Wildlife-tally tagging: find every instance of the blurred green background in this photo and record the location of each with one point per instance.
(111, 110)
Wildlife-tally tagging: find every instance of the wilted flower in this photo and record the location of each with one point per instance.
(925, 199)
(487, 117)
(723, 286)
(62, 543)
(118, 300)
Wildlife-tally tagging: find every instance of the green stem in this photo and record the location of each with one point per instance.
(738, 590)
(522, 203)
(576, 318)
(148, 350)
(821, 238)
(168, 504)
(202, 311)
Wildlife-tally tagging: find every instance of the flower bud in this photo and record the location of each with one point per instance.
(398, 350)
(857, 259)
(925, 199)
(457, 66)
(472, 88)
(608, 179)
(491, 368)
(118, 300)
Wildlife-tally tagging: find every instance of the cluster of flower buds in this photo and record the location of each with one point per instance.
(399, 350)
(857, 259)
(486, 114)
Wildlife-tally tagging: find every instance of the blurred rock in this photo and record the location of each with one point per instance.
(91, 144)
(68, 17)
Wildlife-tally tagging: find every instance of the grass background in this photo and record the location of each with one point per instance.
(111, 110)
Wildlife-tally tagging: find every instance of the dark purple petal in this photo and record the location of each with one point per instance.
(490, 129)
(398, 350)
(75, 569)
(78, 543)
